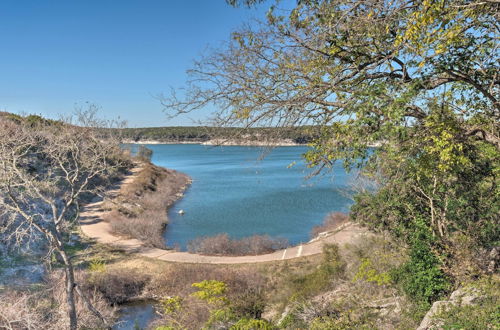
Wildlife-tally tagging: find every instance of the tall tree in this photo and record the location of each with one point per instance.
(46, 168)
(372, 66)
(419, 79)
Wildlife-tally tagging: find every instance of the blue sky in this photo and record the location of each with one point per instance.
(117, 54)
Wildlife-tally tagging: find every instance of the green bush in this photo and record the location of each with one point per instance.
(368, 273)
(421, 277)
(250, 303)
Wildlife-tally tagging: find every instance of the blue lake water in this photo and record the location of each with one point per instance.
(234, 191)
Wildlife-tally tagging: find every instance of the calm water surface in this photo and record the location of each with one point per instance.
(135, 316)
(236, 193)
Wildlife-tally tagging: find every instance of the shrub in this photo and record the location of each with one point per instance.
(147, 227)
(140, 210)
(249, 302)
(23, 310)
(368, 273)
(145, 181)
(331, 222)
(117, 285)
(97, 265)
(44, 307)
(177, 281)
(421, 277)
(222, 244)
(211, 291)
(225, 292)
(144, 153)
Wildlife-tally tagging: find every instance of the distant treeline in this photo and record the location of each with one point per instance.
(299, 135)
(302, 134)
(28, 120)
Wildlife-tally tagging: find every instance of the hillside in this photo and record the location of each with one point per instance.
(201, 134)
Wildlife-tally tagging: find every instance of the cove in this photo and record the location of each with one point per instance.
(237, 191)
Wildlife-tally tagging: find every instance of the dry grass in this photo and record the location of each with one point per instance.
(118, 285)
(177, 280)
(45, 307)
(362, 295)
(140, 210)
(246, 292)
(147, 227)
(23, 310)
(273, 287)
(222, 244)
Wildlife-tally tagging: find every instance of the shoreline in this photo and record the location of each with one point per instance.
(151, 190)
(251, 143)
(96, 219)
(93, 226)
(230, 143)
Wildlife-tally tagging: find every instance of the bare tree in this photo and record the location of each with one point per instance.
(46, 168)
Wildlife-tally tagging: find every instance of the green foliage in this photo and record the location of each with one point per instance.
(368, 273)
(240, 310)
(34, 120)
(483, 316)
(249, 303)
(418, 79)
(97, 265)
(421, 277)
(303, 134)
(171, 304)
(220, 316)
(440, 196)
(214, 293)
(31, 120)
(211, 291)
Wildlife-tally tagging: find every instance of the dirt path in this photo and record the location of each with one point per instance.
(94, 227)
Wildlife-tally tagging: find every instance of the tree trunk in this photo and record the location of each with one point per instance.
(70, 290)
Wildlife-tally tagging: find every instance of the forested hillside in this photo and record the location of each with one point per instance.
(297, 135)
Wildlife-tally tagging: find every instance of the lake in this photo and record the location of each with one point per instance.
(234, 191)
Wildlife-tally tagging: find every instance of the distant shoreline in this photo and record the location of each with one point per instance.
(229, 142)
(251, 143)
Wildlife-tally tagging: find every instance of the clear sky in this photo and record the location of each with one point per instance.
(117, 54)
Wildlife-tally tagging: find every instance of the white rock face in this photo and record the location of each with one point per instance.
(460, 297)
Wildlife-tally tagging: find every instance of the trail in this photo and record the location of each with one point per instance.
(93, 226)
